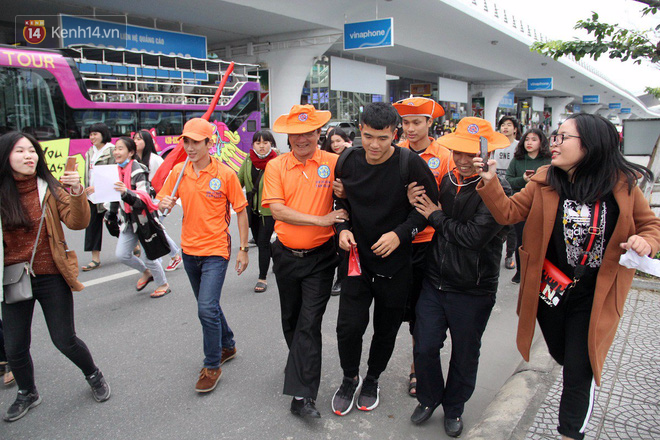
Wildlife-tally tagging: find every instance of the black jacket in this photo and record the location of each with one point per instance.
(466, 248)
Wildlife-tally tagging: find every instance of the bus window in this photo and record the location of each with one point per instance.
(165, 123)
(121, 122)
(86, 118)
(26, 104)
(235, 117)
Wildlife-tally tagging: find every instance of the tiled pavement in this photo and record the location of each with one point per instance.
(627, 404)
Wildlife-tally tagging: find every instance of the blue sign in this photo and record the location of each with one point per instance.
(590, 99)
(615, 105)
(456, 116)
(507, 101)
(367, 34)
(626, 110)
(539, 84)
(80, 30)
(577, 108)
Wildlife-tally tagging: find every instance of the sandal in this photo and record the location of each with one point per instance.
(159, 293)
(91, 266)
(141, 284)
(412, 385)
(260, 287)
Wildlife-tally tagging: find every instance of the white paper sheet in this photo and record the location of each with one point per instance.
(105, 177)
(633, 260)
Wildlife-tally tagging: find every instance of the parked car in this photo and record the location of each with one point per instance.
(349, 128)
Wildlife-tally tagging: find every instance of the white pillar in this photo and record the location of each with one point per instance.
(558, 106)
(493, 94)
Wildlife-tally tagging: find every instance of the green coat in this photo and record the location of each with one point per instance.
(245, 177)
(517, 168)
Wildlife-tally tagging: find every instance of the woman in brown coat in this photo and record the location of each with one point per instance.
(28, 189)
(587, 181)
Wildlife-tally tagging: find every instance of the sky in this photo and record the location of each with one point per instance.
(556, 20)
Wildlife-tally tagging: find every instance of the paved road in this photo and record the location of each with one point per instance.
(151, 352)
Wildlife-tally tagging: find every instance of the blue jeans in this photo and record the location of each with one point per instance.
(124, 253)
(206, 275)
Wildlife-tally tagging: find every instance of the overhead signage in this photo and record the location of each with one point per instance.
(590, 99)
(626, 110)
(577, 108)
(615, 105)
(539, 84)
(508, 101)
(368, 34)
(82, 30)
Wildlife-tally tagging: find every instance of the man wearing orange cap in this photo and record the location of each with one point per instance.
(298, 191)
(461, 278)
(381, 226)
(207, 189)
(418, 115)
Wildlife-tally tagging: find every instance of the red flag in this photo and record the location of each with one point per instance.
(178, 154)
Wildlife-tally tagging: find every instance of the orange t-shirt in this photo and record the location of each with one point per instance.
(304, 188)
(439, 160)
(206, 200)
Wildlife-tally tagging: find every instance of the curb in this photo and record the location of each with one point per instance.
(640, 283)
(515, 405)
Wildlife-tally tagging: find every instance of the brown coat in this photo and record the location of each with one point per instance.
(73, 211)
(537, 203)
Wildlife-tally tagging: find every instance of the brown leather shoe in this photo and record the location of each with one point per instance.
(208, 379)
(228, 354)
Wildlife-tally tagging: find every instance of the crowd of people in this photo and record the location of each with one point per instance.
(416, 229)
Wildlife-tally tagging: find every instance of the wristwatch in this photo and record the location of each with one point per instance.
(244, 248)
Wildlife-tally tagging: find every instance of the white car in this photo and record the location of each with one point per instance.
(349, 128)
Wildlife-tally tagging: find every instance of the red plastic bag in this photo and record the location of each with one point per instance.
(354, 269)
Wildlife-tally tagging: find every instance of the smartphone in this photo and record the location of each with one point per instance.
(483, 151)
(529, 172)
(70, 164)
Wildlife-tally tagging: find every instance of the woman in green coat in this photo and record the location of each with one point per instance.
(261, 220)
(532, 152)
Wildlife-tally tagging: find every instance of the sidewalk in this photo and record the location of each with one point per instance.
(627, 405)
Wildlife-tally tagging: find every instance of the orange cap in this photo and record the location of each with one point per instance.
(301, 119)
(466, 137)
(197, 129)
(419, 107)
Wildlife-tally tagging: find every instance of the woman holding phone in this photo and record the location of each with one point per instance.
(588, 183)
(531, 153)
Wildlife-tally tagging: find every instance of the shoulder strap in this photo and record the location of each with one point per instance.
(342, 159)
(404, 164)
(36, 242)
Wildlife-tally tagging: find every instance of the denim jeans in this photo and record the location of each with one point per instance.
(124, 253)
(56, 301)
(206, 275)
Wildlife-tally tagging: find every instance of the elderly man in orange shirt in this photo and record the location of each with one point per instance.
(298, 190)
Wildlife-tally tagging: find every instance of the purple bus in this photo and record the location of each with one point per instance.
(56, 95)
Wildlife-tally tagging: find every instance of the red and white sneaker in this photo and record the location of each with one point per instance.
(174, 263)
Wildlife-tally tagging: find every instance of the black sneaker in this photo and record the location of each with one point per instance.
(336, 288)
(342, 401)
(516, 278)
(369, 395)
(100, 388)
(305, 408)
(20, 407)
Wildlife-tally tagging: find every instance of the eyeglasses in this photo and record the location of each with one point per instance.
(558, 139)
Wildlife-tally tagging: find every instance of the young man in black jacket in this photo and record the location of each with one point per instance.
(458, 291)
(382, 224)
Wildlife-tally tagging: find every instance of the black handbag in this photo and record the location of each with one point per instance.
(152, 236)
(16, 278)
(112, 222)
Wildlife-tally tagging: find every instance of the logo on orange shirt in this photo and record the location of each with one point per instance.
(324, 171)
(215, 184)
(434, 163)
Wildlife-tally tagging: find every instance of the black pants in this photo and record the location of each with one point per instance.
(342, 265)
(94, 231)
(419, 258)
(389, 296)
(465, 316)
(511, 243)
(56, 300)
(262, 227)
(304, 286)
(3, 356)
(518, 228)
(565, 329)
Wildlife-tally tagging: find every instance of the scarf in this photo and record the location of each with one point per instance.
(260, 163)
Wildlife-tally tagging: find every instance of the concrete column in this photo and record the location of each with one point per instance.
(558, 106)
(493, 94)
(591, 108)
